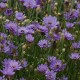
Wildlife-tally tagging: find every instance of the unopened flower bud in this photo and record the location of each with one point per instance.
(49, 1)
(59, 14)
(38, 9)
(63, 50)
(7, 20)
(1, 17)
(24, 46)
(23, 52)
(56, 4)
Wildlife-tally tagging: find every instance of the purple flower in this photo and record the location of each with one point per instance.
(7, 46)
(50, 75)
(43, 29)
(24, 63)
(52, 36)
(67, 35)
(42, 68)
(50, 21)
(76, 45)
(76, 13)
(8, 12)
(13, 49)
(30, 3)
(44, 43)
(31, 26)
(69, 25)
(15, 65)
(3, 37)
(19, 16)
(71, 15)
(29, 29)
(21, 30)
(22, 78)
(6, 49)
(2, 5)
(56, 36)
(8, 71)
(51, 58)
(12, 27)
(68, 15)
(78, 6)
(29, 38)
(57, 65)
(2, 78)
(38, 2)
(75, 56)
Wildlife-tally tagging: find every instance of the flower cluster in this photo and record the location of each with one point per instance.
(51, 70)
(39, 36)
(7, 46)
(10, 66)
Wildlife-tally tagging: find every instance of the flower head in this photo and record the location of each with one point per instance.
(29, 38)
(69, 25)
(51, 21)
(15, 65)
(2, 5)
(76, 45)
(44, 43)
(57, 65)
(19, 16)
(67, 35)
(78, 6)
(30, 3)
(8, 12)
(50, 75)
(51, 58)
(24, 63)
(21, 30)
(12, 27)
(75, 56)
(42, 68)
(8, 71)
